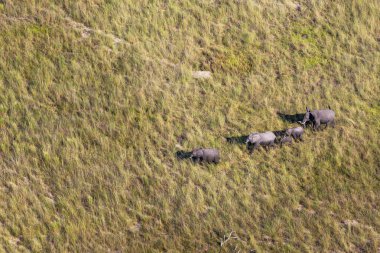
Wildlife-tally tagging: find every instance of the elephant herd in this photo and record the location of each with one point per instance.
(269, 139)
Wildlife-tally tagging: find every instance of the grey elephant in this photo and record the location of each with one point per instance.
(285, 140)
(205, 155)
(295, 132)
(318, 117)
(266, 139)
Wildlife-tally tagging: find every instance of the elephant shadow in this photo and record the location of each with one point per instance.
(182, 155)
(291, 118)
(279, 133)
(236, 139)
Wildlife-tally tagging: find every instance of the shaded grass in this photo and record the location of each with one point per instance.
(90, 127)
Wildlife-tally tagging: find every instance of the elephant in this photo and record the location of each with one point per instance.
(295, 132)
(205, 155)
(318, 117)
(260, 139)
(286, 139)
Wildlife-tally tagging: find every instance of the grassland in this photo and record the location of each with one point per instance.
(97, 96)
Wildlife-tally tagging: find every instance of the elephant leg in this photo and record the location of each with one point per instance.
(317, 125)
(269, 145)
(249, 148)
(256, 146)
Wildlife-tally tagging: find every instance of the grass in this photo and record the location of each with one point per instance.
(96, 98)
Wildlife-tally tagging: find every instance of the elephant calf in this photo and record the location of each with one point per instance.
(260, 139)
(205, 155)
(286, 139)
(295, 132)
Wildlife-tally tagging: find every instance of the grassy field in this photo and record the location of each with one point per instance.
(97, 98)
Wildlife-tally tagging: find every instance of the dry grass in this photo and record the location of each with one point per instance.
(96, 95)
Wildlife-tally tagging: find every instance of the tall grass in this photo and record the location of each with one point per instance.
(96, 98)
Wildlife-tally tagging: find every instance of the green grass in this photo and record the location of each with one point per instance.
(90, 121)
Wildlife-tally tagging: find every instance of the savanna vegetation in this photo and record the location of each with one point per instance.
(97, 97)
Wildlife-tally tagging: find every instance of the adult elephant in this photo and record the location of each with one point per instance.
(255, 140)
(318, 117)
